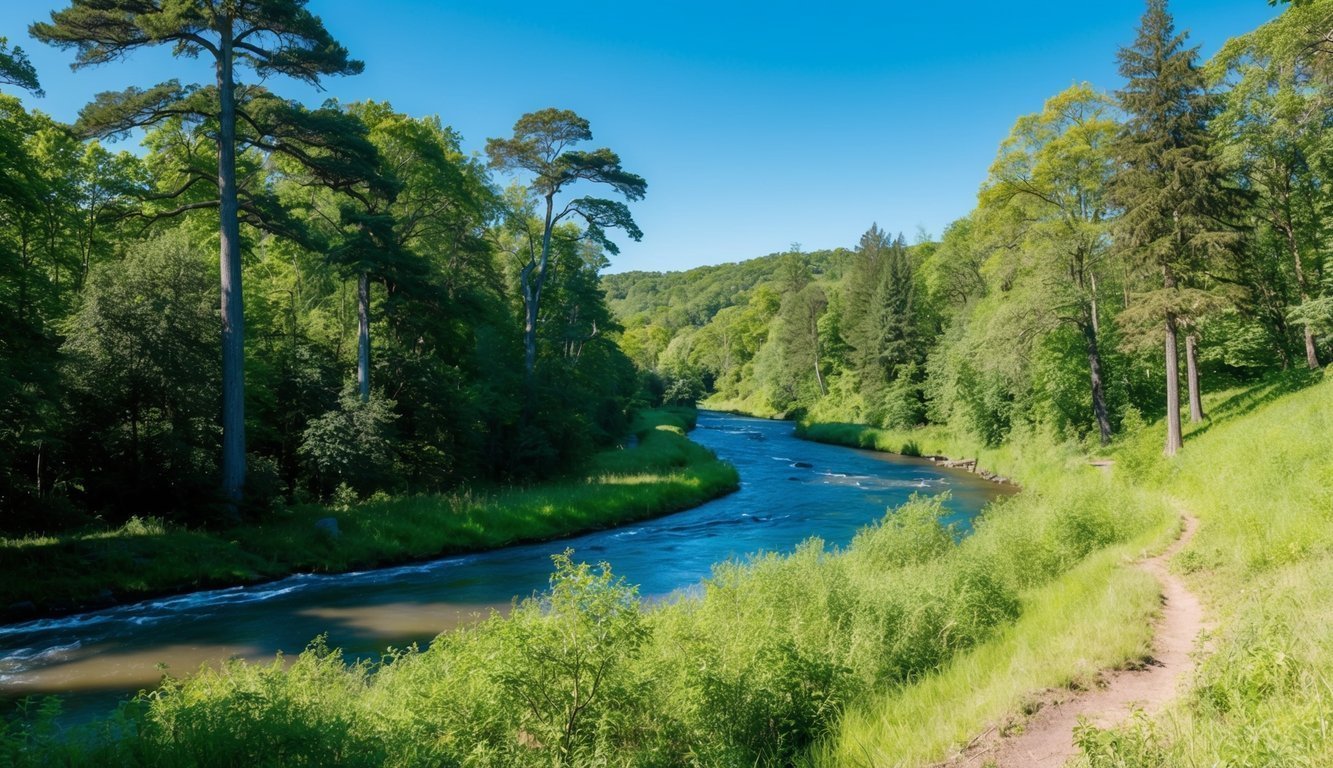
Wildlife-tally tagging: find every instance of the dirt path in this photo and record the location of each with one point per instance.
(1047, 739)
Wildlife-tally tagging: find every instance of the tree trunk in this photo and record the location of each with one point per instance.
(529, 321)
(1192, 375)
(532, 290)
(1095, 375)
(1173, 437)
(1311, 354)
(233, 314)
(363, 336)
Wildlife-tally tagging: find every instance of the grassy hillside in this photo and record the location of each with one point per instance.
(1259, 478)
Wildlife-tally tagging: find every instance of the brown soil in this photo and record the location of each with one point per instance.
(1045, 738)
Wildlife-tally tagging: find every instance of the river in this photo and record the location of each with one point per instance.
(790, 490)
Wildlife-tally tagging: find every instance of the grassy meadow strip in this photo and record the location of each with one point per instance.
(664, 472)
(1029, 456)
(757, 668)
(1097, 616)
(1260, 478)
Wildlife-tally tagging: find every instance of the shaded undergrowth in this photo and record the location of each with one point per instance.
(662, 472)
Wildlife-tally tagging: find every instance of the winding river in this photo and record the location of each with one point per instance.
(790, 490)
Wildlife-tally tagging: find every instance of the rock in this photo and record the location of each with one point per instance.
(328, 526)
(802, 465)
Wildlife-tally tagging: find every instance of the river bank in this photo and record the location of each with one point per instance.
(754, 666)
(663, 472)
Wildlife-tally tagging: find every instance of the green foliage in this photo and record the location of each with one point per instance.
(566, 660)
(142, 369)
(351, 444)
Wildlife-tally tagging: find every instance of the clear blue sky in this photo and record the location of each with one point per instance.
(756, 124)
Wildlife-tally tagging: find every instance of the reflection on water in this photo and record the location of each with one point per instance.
(790, 490)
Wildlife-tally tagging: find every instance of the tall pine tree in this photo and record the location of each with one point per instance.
(270, 37)
(1168, 182)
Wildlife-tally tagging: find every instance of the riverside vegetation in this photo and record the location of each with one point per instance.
(662, 472)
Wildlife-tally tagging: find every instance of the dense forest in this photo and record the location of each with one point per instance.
(1183, 217)
(393, 318)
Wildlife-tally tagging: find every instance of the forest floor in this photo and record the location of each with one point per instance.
(1046, 737)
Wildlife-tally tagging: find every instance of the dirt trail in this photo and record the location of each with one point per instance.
(1047, 739)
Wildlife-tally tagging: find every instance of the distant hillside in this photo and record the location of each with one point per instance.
(675, 300)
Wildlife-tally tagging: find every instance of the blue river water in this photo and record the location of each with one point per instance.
(790, 490)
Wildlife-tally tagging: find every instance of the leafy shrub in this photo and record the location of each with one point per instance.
(351, 444)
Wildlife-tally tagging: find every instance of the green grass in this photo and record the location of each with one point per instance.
(1028, 457)
(1096, 616)
(664, 472)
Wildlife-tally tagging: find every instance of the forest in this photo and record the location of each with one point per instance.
(397, 317)
(1183, 217)
(271, 316)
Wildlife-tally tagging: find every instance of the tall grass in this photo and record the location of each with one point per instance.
(663, 472)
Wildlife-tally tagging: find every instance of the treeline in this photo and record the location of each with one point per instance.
(1125, 249)
(391, 319)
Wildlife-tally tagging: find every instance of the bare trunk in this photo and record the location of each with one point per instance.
(1099, 410)
(533, 278)
(363, 336)
(1192, 375)
(529, 322)
(1173, 438)
(233, 313)
(1092, 297)
(1311, 354)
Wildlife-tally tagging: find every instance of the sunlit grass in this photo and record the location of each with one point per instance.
(1094, 617)
(1260, 478)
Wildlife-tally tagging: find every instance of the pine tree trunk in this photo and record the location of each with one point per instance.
(1098, 390)
(363, 336)
(233, 314)
(1311, 354)
(1192, 375)
(1174, 442)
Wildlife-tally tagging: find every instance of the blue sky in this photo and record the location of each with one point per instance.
(756, 125)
